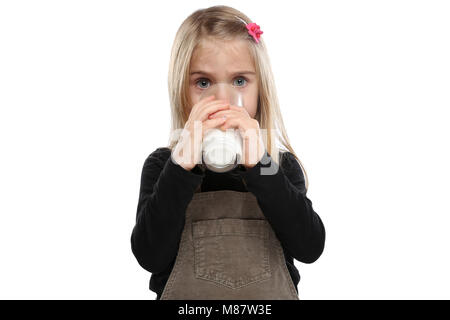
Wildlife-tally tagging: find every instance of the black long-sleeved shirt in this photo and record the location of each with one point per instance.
(167, 188)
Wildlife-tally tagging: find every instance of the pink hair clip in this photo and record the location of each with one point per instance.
(253, 29)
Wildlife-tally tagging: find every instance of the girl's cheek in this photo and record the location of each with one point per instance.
(194, 96)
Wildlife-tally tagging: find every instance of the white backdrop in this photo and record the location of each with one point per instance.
(364, 92)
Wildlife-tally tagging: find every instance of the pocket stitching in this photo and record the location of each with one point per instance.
(219, 277)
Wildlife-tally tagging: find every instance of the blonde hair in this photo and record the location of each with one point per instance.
(223, 23)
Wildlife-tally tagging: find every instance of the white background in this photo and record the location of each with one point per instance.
(364, 92)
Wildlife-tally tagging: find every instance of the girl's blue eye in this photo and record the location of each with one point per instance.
(239, 84)
(202, 81)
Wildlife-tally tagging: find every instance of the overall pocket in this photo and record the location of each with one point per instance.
(231, 252)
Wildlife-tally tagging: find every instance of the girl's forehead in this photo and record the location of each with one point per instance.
(213, 54)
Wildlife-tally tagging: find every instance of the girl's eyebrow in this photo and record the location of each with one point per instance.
(232, 74)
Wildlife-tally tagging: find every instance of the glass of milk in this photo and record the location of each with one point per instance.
(222, 150)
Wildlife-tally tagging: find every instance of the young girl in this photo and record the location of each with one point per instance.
(231, 235)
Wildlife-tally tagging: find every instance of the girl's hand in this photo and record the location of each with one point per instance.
(253, 145)
(187, 153)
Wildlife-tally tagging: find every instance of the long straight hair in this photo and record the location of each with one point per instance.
(225, 23)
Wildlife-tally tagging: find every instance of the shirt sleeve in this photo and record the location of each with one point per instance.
(282, 198)
(165, 192)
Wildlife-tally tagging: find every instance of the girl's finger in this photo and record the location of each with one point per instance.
(202, 102)
(199, 113)
(226, 112)
(206, 111)
(240, 109)
(214, 101)
(231, 123)
(213, 123)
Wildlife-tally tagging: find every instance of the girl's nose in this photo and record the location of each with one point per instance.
(222, 93)
(223, 97)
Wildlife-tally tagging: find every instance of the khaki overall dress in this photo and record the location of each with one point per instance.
(228, 250)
